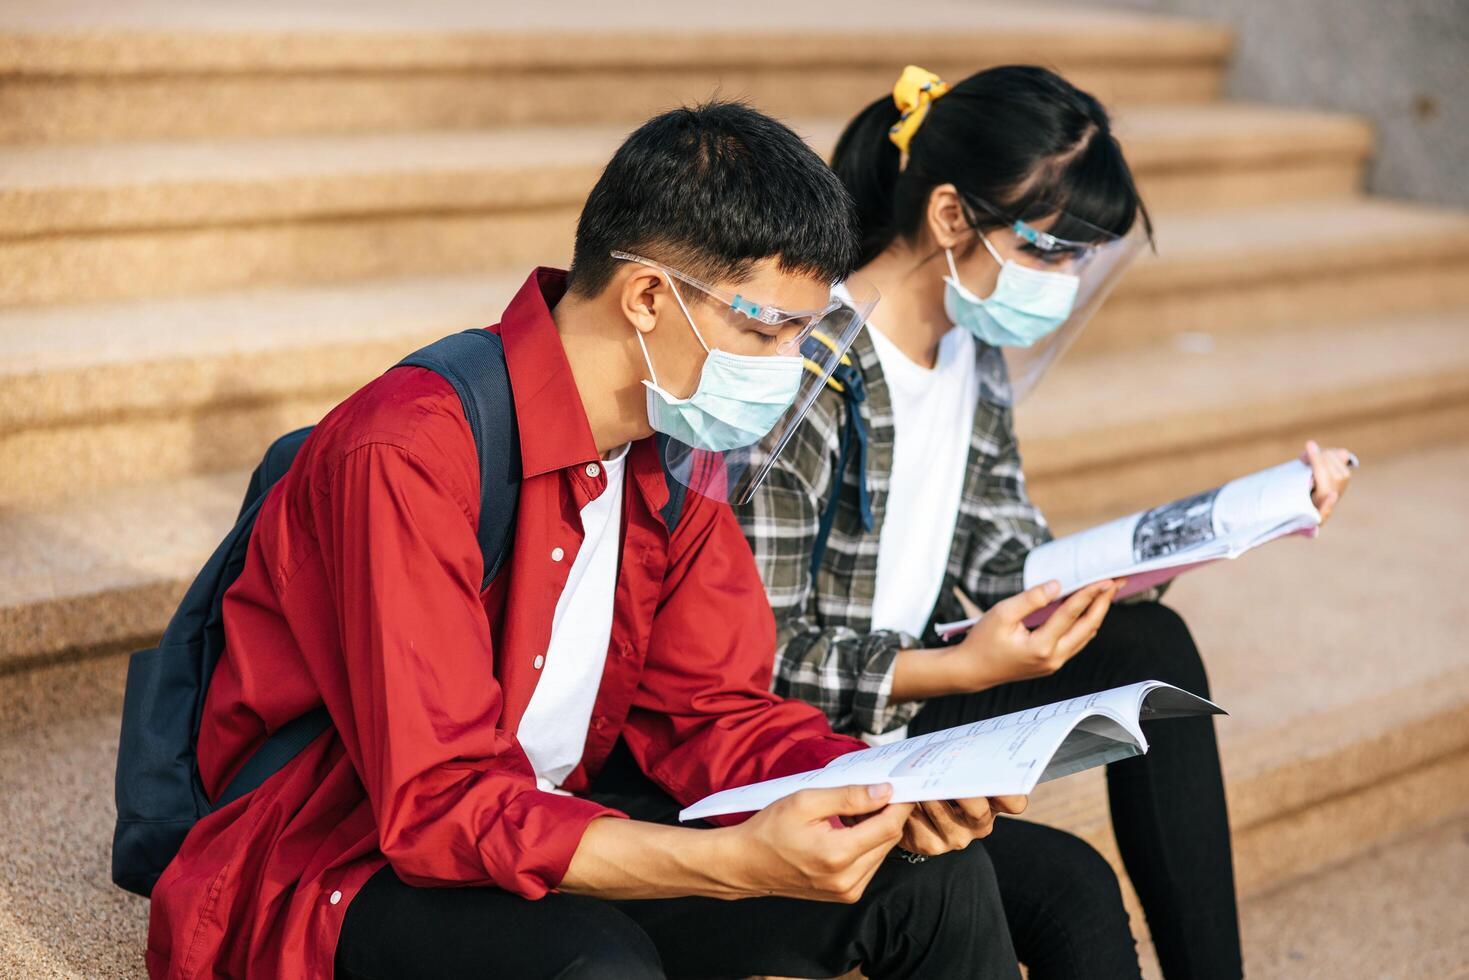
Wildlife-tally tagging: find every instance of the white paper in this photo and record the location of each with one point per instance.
(1000, 756)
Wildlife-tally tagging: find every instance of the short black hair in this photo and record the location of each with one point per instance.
(711, 190)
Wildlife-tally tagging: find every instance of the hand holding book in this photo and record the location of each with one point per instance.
(1157, 545)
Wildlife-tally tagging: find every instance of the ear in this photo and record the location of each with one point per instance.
(637, 296)
(948, 224)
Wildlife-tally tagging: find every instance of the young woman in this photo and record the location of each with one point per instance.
(993, 215)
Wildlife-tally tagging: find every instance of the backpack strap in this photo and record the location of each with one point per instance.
(281, 747)
(851, 444)
(473, 362)
(673, 510)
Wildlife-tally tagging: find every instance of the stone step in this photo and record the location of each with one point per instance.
(130, 392)
(1279, 265)
(117, 394)
(1191, 157)
(1323, 762)
(104, 220)
(85, 70)
(1119, 431)
(1390, 914)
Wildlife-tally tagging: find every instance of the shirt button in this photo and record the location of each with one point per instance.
(557, 554)
(539, 662)
(593, 470)
(336, 897)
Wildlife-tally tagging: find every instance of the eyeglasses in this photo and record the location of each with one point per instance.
(804, 321)
(1043, 243)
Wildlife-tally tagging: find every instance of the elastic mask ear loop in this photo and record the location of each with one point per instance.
(688, 317)
(646, 359)
(991, 249)
(953, 270)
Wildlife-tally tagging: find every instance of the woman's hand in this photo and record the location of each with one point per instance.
(1331, 470)
(1000, 648)
(951, 825)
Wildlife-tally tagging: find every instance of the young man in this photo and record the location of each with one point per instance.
(448, 823)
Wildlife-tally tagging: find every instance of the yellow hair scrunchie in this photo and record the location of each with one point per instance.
(915, 90)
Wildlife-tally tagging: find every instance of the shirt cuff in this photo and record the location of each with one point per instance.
(873, 709)
(535, 838)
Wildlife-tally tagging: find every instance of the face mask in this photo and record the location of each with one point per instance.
(737, 402)
(1027, 304)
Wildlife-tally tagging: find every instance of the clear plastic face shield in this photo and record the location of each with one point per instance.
(755, 400)
(1048, 288)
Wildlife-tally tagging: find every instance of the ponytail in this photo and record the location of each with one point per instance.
(866, 161)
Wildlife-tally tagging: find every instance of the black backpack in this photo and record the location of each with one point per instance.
(159, 792)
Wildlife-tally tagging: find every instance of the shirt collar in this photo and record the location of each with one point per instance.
(554, 432)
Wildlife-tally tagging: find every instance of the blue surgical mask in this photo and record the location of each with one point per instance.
(737, 402)
(1026, 305)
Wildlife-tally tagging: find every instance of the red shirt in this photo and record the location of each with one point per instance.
(361, 592)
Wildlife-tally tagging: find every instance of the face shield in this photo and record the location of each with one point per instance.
(723, 438)
(1047, 290)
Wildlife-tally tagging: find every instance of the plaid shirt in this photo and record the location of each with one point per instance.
(826, 650)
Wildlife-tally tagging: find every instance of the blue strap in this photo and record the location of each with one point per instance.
(851, 442)
(673, 510)
(474, 363)
(281, 747)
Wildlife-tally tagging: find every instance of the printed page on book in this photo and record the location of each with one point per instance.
(1155, 546)
(999, 756)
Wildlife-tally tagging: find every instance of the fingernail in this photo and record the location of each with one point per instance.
(879, 790)
(1052, 587)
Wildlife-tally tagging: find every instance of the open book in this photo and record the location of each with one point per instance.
(1154, 546)
(1000, 756)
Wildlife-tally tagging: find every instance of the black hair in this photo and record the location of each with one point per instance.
(1019, 138)
(711, 190)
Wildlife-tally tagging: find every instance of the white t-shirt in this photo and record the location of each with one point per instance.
(553, 731)
(933, 415)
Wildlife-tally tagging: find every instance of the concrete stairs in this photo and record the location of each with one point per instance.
(216, 223)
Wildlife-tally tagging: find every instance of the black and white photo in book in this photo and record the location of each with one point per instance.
(1175, 526)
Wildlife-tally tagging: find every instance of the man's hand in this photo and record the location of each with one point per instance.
(819, 844)
(999, 648)
(951, 825)
(1331, 469)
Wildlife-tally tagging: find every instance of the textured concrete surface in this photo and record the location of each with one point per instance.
(1393, 256)
(1396, 912)
(92, 70)
(1280, 265)
(1402, 64)
(108, 573)
(1200, 156)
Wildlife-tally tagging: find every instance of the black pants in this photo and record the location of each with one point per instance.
(942, 918)
(1168, 808)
